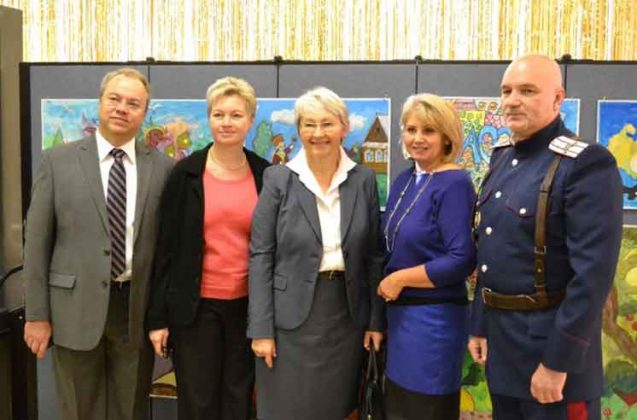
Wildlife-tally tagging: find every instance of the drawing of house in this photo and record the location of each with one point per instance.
(375, 149)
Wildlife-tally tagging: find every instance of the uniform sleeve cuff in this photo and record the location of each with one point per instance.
(565, 352)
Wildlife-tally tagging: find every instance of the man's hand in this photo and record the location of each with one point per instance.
(478, 349)
(37, 335)
(547, 385)
(159, 338)
(374, 337)
(266, 348)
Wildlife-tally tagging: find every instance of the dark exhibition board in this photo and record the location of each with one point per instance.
(396, 80)
(186, 81)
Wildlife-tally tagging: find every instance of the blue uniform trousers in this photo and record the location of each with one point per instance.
(510, 408)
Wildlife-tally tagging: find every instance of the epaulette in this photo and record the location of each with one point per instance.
(503, 142)
(568, 147)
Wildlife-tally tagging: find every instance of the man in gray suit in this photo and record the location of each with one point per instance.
(90, 237)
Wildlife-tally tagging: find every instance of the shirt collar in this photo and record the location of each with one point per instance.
(418, 170)
(104, 148)
(299, 165)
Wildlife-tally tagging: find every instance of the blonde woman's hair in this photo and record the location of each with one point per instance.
(432, 110)
(228, 86)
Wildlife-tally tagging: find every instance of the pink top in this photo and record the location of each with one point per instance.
(229, 205)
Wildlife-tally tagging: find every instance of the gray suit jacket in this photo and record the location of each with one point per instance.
(67, 257)
(286, 250)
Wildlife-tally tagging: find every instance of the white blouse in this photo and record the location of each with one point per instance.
(328, 204)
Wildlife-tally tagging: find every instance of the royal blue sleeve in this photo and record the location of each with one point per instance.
(454, 224)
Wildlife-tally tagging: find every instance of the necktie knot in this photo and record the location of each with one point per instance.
(118, 154)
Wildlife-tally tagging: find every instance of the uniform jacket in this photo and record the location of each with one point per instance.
(67, 257)
(583, 238)
(176, 283)
(286, 250)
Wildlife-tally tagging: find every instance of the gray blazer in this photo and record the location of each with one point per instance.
(286, 250)
(67, 257)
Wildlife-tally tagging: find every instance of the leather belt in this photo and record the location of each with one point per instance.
(532, 302)
(404, 300)
(331, 275)
(541, 299)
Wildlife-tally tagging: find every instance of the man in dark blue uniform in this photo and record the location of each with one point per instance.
(548, 226)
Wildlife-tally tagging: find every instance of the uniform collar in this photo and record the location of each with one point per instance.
(542, 138)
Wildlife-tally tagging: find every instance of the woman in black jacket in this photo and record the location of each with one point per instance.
(200, 283)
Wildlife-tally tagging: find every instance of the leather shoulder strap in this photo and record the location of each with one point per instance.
(540, 228)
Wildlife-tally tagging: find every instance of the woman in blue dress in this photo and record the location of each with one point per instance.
(429, 254)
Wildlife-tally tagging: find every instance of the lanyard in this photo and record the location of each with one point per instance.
(390, 244)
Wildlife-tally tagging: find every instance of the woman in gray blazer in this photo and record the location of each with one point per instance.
(315, 264)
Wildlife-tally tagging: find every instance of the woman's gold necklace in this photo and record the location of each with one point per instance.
(226, 167)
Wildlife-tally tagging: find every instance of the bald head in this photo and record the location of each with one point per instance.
(532, 94)
(545, 67)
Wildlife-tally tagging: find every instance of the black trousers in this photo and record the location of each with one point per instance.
(403, 404)
(214, 366)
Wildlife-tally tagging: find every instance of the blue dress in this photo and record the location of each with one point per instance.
(430, 225)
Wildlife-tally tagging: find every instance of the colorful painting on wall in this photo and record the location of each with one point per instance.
(174, 127)
(617, 130)
(619, 338)
(483, 125)
(569, 111)
(178, 127)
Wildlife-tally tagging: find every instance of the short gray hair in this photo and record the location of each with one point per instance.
(319, 99)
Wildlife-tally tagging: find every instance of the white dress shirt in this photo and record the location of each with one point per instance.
(106, 161)
(329, 207)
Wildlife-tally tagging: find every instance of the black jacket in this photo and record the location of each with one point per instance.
(176, 279)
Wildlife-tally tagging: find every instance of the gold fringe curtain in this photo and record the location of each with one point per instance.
(245, 30)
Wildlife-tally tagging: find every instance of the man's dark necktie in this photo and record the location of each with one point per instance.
(116, 206)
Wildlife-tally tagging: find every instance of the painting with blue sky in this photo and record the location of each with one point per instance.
(617, 131)
(178, 127)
